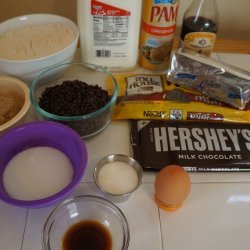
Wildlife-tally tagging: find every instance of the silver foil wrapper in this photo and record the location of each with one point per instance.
(211, 77)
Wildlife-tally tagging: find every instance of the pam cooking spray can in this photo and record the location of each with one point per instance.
(157, 33)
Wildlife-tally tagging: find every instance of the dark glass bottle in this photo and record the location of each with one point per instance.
(199, 28)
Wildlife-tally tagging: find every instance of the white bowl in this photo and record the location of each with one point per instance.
(27, 70)
(20, 91)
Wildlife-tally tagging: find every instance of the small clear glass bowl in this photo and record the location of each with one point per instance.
(85, 125)
(85, 208)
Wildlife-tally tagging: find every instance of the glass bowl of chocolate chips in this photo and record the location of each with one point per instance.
(79, 95)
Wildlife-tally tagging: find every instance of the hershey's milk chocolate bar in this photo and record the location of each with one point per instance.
(198, 147)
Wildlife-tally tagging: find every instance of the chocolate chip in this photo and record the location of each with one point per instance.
(73, 98)
(76, 98)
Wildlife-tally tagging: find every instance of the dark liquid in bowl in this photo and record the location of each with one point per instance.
(87, 235)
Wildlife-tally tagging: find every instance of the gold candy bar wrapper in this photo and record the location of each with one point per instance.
(212, 78)
(150, 96)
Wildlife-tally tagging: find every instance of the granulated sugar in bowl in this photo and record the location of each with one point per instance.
(37, 167)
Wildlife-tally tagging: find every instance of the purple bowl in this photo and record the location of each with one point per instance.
(43, 133)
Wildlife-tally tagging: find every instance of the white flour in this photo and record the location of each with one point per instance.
(34, 41)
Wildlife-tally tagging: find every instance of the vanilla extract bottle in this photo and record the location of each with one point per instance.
(199, 28)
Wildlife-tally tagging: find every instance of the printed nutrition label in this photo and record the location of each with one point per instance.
(110, 31)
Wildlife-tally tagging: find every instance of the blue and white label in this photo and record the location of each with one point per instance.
(185, 76)
(152, 42)
(164, 1)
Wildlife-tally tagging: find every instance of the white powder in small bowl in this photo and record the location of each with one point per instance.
(35, 41)
(37, 173)
(117, 178)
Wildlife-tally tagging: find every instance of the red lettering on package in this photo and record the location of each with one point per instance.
(99, 8)
(158, 31)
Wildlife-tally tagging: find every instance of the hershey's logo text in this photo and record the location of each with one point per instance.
(200, 139)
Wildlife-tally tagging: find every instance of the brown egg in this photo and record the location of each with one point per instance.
(172, 187)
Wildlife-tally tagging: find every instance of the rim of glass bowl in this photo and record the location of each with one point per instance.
(79, 117)
(50, 219)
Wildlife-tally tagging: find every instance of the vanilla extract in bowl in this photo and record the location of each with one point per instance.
(87, 235)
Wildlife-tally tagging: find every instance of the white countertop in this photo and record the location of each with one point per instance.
(214, 216)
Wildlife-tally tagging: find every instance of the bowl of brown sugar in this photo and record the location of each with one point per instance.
(14, 102)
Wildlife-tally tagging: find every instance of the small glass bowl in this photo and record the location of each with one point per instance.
(85, 125)
(85, 208)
